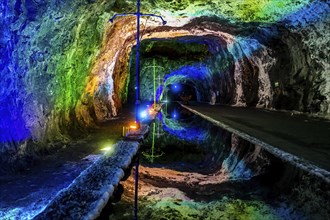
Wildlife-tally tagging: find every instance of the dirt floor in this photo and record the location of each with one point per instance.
(26, 192)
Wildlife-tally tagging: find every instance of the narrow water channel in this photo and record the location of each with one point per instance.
(191, 169)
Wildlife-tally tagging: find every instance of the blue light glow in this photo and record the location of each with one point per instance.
(143, 114)
(12, 124)
(236, 168)
(194, 72)
(313, 12)
(176, 88)
(159, 92)
(188, 132)
(175, 115)
(244, 47)
(197, 76)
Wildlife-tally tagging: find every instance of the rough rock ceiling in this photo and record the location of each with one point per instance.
(234, 10)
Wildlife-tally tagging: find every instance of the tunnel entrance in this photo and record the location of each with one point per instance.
(159, 58)
(179, 92)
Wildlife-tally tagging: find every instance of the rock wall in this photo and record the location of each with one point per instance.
(47, 50)
(311, 25)
(64, 67)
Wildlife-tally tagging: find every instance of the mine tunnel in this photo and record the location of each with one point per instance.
(179, 92)
(201, 110)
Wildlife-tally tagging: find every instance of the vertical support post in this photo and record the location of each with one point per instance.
(136, 185)
(154, 62)
(138, 15)
(137, 63)
(153, 142)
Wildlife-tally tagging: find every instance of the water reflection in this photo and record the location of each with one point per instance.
(175, 136)
(175, 111)
(180, 136)
(182, 124)
(191, 165)
(154, 153)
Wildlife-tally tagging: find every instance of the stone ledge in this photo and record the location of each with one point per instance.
(139, 134)
(88, 194)
(285, 156)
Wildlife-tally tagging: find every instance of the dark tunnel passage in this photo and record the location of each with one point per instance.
(179, 92)
(159, 59)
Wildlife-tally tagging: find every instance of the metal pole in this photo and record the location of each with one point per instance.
(153, 142)
(137, 102)
(138, 15)
(136, 186)
(154, 62)
(137, 63)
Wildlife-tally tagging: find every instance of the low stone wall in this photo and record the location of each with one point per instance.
(294, 160)
(88, 194)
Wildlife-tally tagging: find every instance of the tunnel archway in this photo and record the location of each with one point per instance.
(179, 92)
(160, 57)
(241, 68)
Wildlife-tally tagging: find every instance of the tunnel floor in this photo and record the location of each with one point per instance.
(26, 192)
(295, 133)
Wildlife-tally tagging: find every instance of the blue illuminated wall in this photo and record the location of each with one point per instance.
(198, 76)
(12, 124)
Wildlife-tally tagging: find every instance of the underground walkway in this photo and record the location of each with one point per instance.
(299, 135)
(39, 183)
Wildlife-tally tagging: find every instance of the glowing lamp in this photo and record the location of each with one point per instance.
(109, 148)
(106, 148)
(134, 126)
(175, 114)
(143, 114)
(176, 88)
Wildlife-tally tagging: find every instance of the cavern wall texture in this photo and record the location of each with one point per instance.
(64, 67)
(47, 50)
